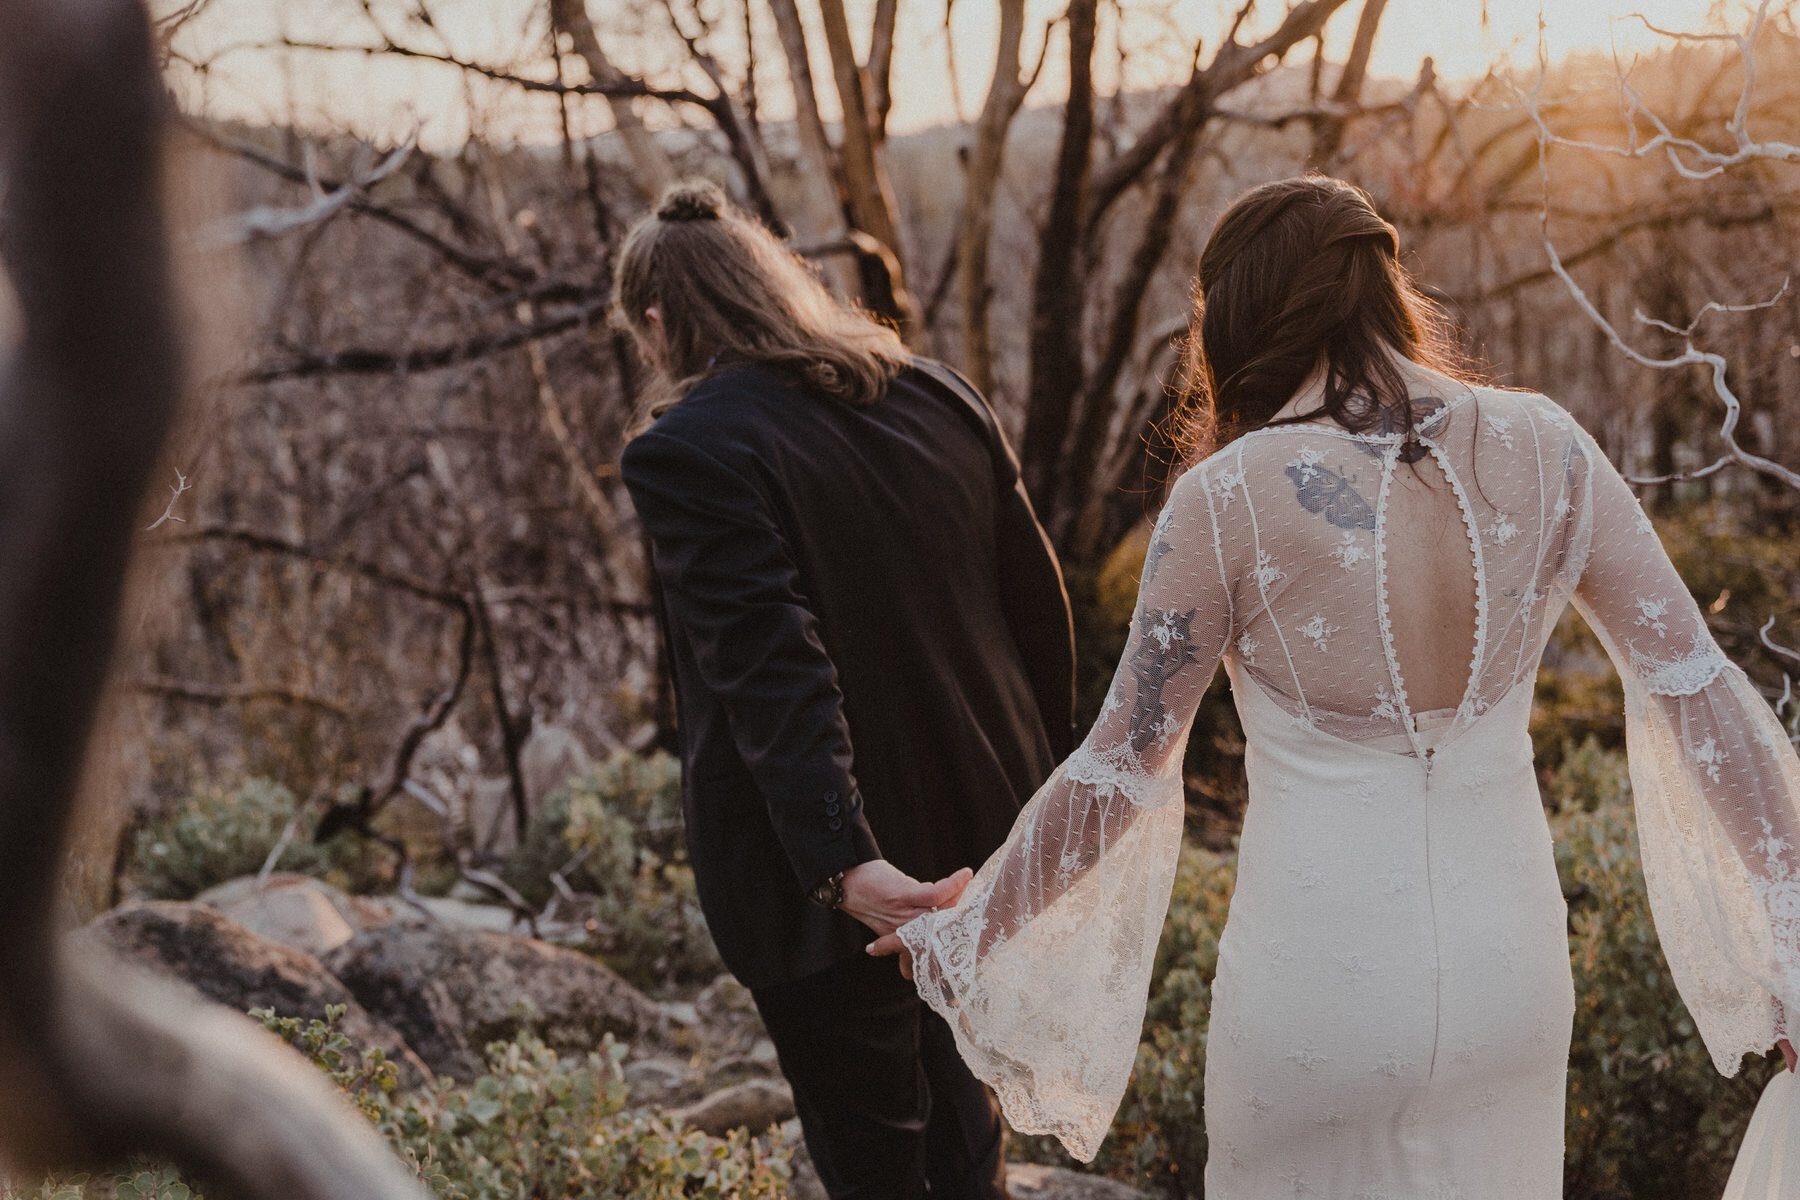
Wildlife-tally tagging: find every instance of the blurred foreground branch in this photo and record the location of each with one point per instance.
(90, 1069)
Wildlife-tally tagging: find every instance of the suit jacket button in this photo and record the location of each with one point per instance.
(835, 824)
(831, 797)
(832, 809)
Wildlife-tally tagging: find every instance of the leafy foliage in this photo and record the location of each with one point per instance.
(535, 1125)
(616, 833)
(217, 833)
(1648, 1114)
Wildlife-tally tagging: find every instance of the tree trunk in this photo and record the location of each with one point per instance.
(865, 178)
(821, 217)
(981, 181)
(1056, 297)
(1328, 132)
(1060, 301)
(653, 170)
(1078, 525)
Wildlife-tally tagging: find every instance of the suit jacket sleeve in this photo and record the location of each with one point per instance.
(733, 594)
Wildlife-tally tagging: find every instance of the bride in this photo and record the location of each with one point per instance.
(1378, 549)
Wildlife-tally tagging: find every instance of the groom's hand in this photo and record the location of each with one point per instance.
(884, 897)
(1787, 1052)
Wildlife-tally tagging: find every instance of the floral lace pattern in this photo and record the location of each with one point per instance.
(1287, 555)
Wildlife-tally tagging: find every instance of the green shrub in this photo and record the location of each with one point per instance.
(217, 834)
(621, 825)
(1587, 778)
(1159, 1138)
(140, 1180)
(534, 1125)
(1648, 1115)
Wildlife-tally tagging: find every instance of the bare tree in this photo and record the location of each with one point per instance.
(1070, 403)
(1689, 159)
(981, 177)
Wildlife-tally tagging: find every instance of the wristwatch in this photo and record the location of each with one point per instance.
(829, 894)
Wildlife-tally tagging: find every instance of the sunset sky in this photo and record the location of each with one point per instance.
(383, 99)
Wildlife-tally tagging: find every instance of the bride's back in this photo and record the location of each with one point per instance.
(1366, 590)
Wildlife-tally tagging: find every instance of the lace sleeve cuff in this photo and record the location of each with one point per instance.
(1681, 676)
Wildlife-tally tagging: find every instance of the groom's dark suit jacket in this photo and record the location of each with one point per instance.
(869, 637)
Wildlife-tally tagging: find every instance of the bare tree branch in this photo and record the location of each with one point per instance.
(266, 221)
(1746, 151)
(359, 360)
(653, 172)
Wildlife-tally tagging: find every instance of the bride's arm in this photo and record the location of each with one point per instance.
(1042, 969)
(1715, 780)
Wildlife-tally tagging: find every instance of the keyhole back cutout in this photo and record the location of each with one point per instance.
(1431, 594)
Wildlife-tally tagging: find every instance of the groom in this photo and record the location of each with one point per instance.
(873, 668)
(873, 664)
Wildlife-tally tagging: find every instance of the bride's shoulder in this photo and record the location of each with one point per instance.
(1496, 404)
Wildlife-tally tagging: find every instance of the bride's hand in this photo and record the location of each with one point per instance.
(884, 897)
(1787, 1051)
(883, 946)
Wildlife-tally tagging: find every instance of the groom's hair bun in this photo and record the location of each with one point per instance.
(695, 200)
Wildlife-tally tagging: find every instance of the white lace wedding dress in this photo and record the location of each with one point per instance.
(1391, 1016)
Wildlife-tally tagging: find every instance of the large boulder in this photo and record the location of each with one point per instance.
(230, 965)
(450, 991)
(295, 910)
(1034, 1181)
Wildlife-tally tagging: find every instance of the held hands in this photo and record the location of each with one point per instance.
(884, 897)
(890, 943)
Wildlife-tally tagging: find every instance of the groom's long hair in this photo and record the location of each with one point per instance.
(728, 291)
(1298, 274)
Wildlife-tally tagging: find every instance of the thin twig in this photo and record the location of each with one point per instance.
(175, 491)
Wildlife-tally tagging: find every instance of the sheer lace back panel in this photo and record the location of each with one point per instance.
(1361, 596)
(1347, 562)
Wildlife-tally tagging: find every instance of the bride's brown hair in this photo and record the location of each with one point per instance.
(729, 291)
(1300, 274)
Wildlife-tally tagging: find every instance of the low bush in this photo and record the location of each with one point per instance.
(616, 833)
(535, 1125)
(219, 833)
(1648, 1115)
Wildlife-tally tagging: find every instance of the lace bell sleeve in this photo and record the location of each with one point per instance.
(1715, 780)
(1043, 968)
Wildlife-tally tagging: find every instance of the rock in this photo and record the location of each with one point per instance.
(493, 830)
(661, 1081)
(682, 1012)
(452, 991)
(461, 914)
(550, 757)
(728, 1023)
(227, 963)
(754, 1104)
(294, 910)
(804, 1185)
(1033, 1181)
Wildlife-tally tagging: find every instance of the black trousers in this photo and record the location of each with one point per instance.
(889, 1110)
